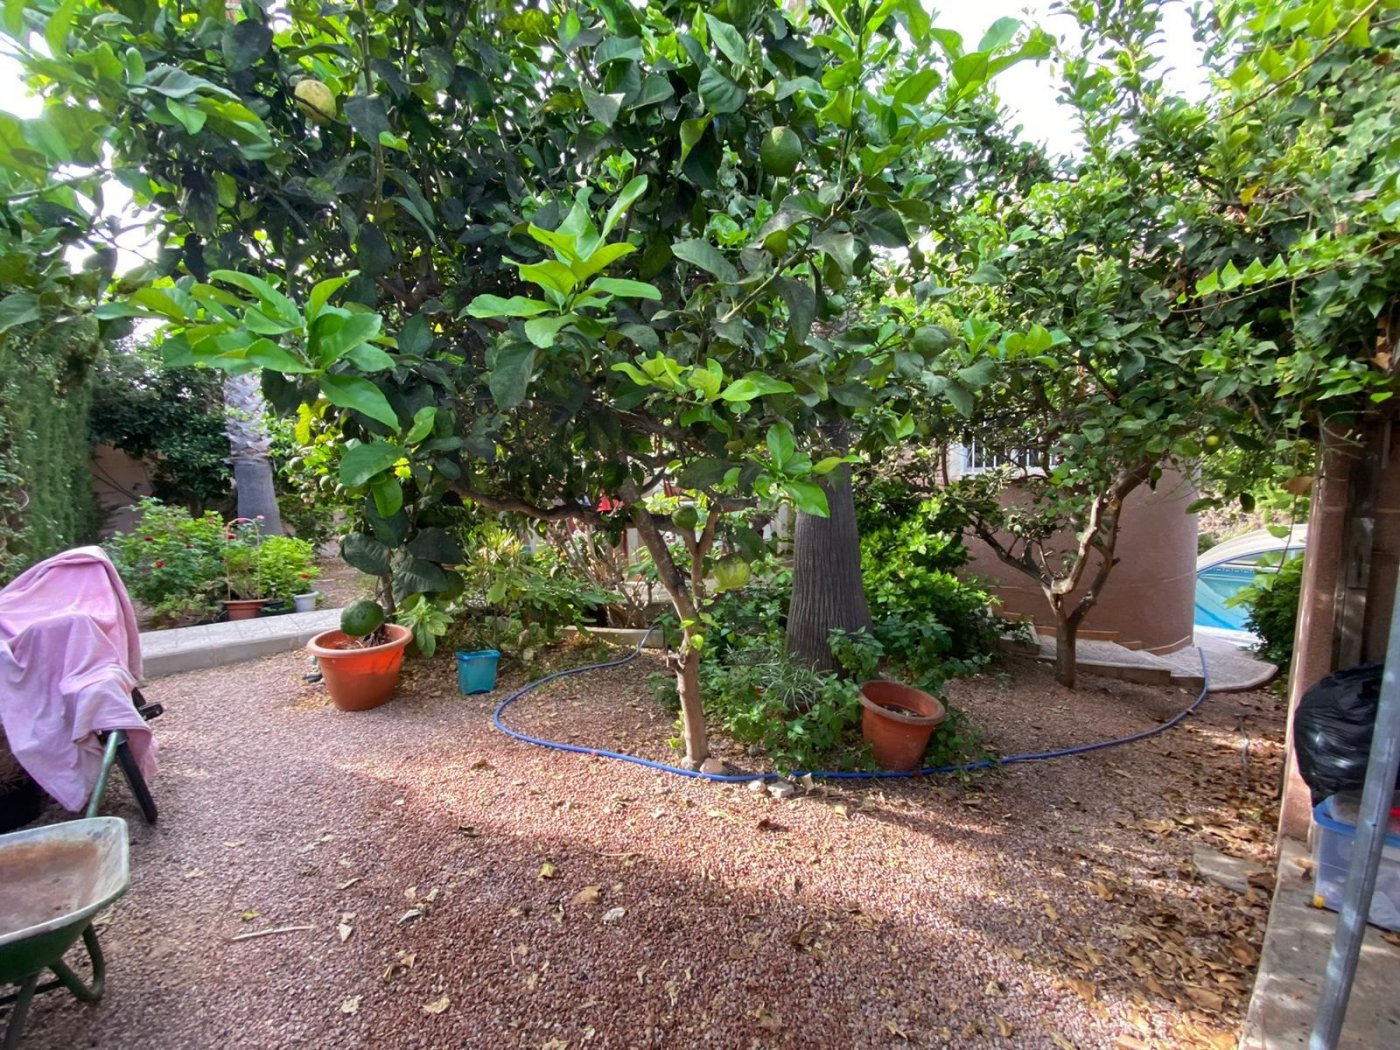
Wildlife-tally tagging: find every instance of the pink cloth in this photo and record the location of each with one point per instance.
(70, 653)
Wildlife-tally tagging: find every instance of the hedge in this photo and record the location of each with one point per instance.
(46, 503)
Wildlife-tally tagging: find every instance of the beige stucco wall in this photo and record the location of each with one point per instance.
(1149, 601)
(118, 481)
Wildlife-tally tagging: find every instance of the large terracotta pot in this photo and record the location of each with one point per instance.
(359, 679)
(898, 721)
(244, 608)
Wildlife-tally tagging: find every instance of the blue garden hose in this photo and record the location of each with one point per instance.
(829, 774)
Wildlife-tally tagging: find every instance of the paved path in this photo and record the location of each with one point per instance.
(216, 644)
(1232, 668)
(1291, 967)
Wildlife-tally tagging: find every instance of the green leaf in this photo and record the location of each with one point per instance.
(58, 27)
(436, 545)
(368, 116)
(728, 40)
(366, 554)
(999, 34)
(359, 395)
(634, 189)
(510, 370)
(550, 274)
(329, 344)
(18, 308)
(388, 495)
(719, 93)
(266, 354)
(362, 462)
(423, 422)
(542, 330)
(604, 108)
(192, 119)
(753, 385)
(625, 288)
(244, 43)
(321, 293)
(801, 303)
(808, 497)
(781, 444)
(419, 577)
(839, 247)
(515, 306)
(691, 133)
(707, 257)
(369, 358)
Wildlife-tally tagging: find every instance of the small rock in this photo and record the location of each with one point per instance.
(755, 751)
(781, 789)
(758, 787)
(1230, 872)
(714, 767)
(613, 915)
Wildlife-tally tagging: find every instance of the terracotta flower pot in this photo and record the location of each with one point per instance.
(359, 679)
(898, 721)
(244, 608)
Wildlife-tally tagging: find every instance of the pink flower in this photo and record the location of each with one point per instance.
(160, 565)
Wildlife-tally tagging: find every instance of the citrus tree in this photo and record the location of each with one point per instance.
(525, 257)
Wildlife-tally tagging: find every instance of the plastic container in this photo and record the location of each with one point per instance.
(1333, 840)
(476, 672)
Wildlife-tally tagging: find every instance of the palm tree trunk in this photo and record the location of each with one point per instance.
(250, 445)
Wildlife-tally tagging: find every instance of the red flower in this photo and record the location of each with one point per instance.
(150, 539)
(160, 565)
(305, 575)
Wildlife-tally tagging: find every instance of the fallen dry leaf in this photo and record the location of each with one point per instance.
(349, 882)
(548, 870)
(768, 1022)
(345, 930)
(588, 895)
(437, 1006)
(1004, 1027)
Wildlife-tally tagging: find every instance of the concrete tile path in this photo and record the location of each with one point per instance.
(216, 644)
(1232, 668)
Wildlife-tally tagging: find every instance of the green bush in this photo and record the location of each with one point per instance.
(286, 566)
(1273, 610)
(173, 563)
(171, 417)
(46, 503)
(181, 567)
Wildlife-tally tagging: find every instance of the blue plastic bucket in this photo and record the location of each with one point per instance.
(476, 672)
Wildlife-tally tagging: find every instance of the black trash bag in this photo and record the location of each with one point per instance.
(1332, 730)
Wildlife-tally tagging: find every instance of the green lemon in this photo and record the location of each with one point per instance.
(686, 518)
(315, 100)
(776, 243)
(361, 618)
(833, 306)
(780, 152)
(731, 572)
(929, 339)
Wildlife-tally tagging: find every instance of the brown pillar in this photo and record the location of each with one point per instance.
(1314, 640)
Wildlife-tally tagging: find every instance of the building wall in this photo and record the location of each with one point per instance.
(1149, 601)
(118, 482)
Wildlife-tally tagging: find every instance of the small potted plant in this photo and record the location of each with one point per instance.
(243, 586)
(287, 567)
(360, 661)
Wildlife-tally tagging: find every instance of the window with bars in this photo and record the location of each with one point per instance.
(977, 459)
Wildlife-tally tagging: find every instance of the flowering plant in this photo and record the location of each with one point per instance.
(172, 563)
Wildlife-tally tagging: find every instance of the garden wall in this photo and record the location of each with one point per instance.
(1149, 601)
(46, 500)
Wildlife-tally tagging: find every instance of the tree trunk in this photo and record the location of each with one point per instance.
(827, 589)
(250, 446)
(1066, 627)
(687, 664)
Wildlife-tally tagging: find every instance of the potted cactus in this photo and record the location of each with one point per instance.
(360, 660)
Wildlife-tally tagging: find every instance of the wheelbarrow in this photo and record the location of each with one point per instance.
(56, 879)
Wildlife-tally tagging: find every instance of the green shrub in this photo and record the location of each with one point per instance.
(46, 503)
(173, 563)
(1273, 610)
(286, 566)
(173, 418)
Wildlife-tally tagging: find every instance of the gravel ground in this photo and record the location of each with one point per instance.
(446, 886)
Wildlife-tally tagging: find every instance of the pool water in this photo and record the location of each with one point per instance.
(1214, 587)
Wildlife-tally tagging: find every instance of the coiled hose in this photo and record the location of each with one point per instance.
(828, 774)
